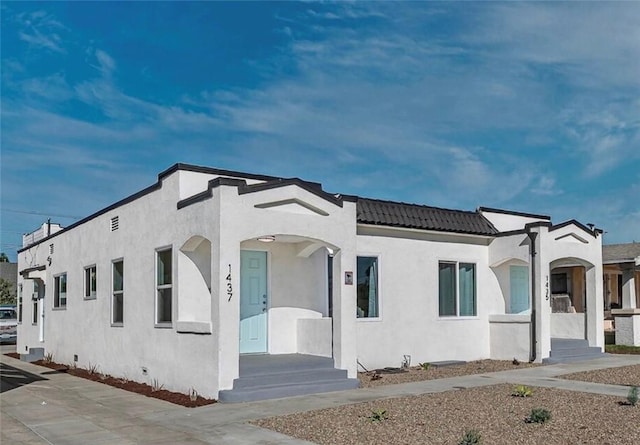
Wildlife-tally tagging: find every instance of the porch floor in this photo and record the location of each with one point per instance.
(267, 376)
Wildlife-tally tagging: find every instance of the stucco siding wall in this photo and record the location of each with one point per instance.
(84, 327)
(409, 320)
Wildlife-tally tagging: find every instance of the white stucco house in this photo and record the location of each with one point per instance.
(209, 276)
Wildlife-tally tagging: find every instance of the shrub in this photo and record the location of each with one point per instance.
(378, 415)
(156, 386)
(193, 395)
(48, 358)
(522, 391)
(632, 397)
(538, 415)
(92, 369)
(425, 366)
(471, 437)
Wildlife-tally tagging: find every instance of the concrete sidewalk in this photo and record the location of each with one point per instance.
(62, 409)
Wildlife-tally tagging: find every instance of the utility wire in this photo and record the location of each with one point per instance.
(28, 212)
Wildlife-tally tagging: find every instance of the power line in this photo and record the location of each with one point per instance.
(28, 212)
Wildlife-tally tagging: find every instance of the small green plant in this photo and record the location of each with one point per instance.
(632, 397)
(471, 437)
(378, 415)
(48, 358)
(425, 366)
(522, 391)
(156, 386)
(538, 415)
(92, 369)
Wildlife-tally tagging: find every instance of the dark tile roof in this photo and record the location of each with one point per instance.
(620, 253)
(413, 216)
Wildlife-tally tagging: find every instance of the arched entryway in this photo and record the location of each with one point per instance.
(568, 290)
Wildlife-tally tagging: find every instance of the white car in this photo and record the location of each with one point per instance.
(8, 324)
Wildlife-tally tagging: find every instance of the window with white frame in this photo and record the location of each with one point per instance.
(117, 287)
(164, 280)
(60, 291)
(90, 282)
(367, 287)
(20, 303)
(34, 300)
(457, 289)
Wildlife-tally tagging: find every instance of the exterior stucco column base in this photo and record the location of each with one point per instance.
(627, 327)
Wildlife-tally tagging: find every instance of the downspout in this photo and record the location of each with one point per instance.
(532, 254)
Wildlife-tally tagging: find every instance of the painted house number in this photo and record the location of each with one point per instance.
(229, 286)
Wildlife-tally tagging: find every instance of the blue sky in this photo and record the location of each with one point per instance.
(525, 106)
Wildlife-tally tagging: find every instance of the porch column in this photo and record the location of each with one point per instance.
(628, 287)
(344, 312)
(627, 319)
(542, 300)
(595, 311)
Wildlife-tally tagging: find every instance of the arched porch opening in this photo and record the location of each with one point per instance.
(286, 295)
(569, 290)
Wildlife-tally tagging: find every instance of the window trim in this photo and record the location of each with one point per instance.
(34, 303)
(84, 279)
(379, 286)
(56, 291)
(457, 315)
(114, 292)
(158, 287)
(19, 303)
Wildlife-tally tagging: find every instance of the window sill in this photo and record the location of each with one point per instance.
(163, 325)
(95, 297)
(368, 319)
(458, 317)
(61, 308)
(117, 325)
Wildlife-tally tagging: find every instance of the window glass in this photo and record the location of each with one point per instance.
(90, 282)
(467, 289)
(367, 287)
(60, 292)
(117, 303)
(447, 289)
(164, 267)
(164, 305)
(164, 287)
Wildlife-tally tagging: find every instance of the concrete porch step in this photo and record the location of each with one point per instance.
(566, 350)
(285, 390)
(275, 376)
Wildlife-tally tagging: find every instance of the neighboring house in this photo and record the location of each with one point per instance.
(622, 290)
(188, 280)
(9, 275)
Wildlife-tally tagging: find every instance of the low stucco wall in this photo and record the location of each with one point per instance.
(510, 336)
(314, 336)
(567, 326)
(628, 329)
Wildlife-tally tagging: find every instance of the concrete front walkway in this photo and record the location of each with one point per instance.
(39, 406)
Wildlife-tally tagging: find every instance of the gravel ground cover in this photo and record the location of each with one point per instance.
(625, 375)
(416, 373)
(443, 418)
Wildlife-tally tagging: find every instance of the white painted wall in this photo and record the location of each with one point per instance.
(506, 222)
(409, 322)
(510, 336)
(84, 327)
(567, 325)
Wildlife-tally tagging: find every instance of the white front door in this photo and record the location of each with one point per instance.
(253, 301)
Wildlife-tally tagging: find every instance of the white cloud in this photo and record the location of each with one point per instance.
(41, 30)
